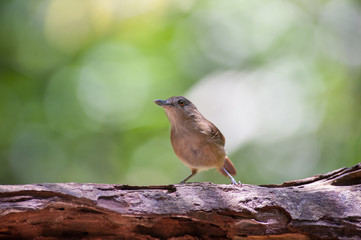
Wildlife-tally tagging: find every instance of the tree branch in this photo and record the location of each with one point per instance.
(323, 206)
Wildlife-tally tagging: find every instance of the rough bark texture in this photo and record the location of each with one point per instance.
(325, 206)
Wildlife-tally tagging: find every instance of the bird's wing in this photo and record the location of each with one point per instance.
(216, 135)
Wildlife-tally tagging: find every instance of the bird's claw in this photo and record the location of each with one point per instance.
(235, 183)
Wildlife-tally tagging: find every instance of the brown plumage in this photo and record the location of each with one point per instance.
(197, 142)
(228, 165)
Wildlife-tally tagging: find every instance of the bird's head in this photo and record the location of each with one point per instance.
(178, 109)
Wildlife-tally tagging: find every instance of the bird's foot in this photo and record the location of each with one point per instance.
(234, 182)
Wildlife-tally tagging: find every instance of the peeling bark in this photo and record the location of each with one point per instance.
(325, 206)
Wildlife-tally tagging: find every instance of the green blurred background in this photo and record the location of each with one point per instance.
(281, 80)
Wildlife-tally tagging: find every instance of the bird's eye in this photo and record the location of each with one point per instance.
(181, 102)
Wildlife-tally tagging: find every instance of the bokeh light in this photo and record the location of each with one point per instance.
(281, 80)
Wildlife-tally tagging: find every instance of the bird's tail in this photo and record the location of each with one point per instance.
(228, 165)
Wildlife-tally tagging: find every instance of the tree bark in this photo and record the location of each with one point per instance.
(325, 206)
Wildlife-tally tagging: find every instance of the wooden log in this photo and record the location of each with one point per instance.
(326, 206)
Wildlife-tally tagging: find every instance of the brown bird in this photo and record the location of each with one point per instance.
(197, 142)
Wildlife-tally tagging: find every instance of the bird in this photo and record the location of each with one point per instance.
(197, 142)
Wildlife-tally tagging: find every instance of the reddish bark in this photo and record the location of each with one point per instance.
(324, 206)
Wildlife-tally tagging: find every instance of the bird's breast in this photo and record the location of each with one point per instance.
(195, 150)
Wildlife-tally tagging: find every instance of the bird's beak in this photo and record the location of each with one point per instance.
(161, 103)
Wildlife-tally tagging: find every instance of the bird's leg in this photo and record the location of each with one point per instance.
(194, 171)
(234, 182)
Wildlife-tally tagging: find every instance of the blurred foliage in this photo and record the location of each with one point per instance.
(281, 79)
